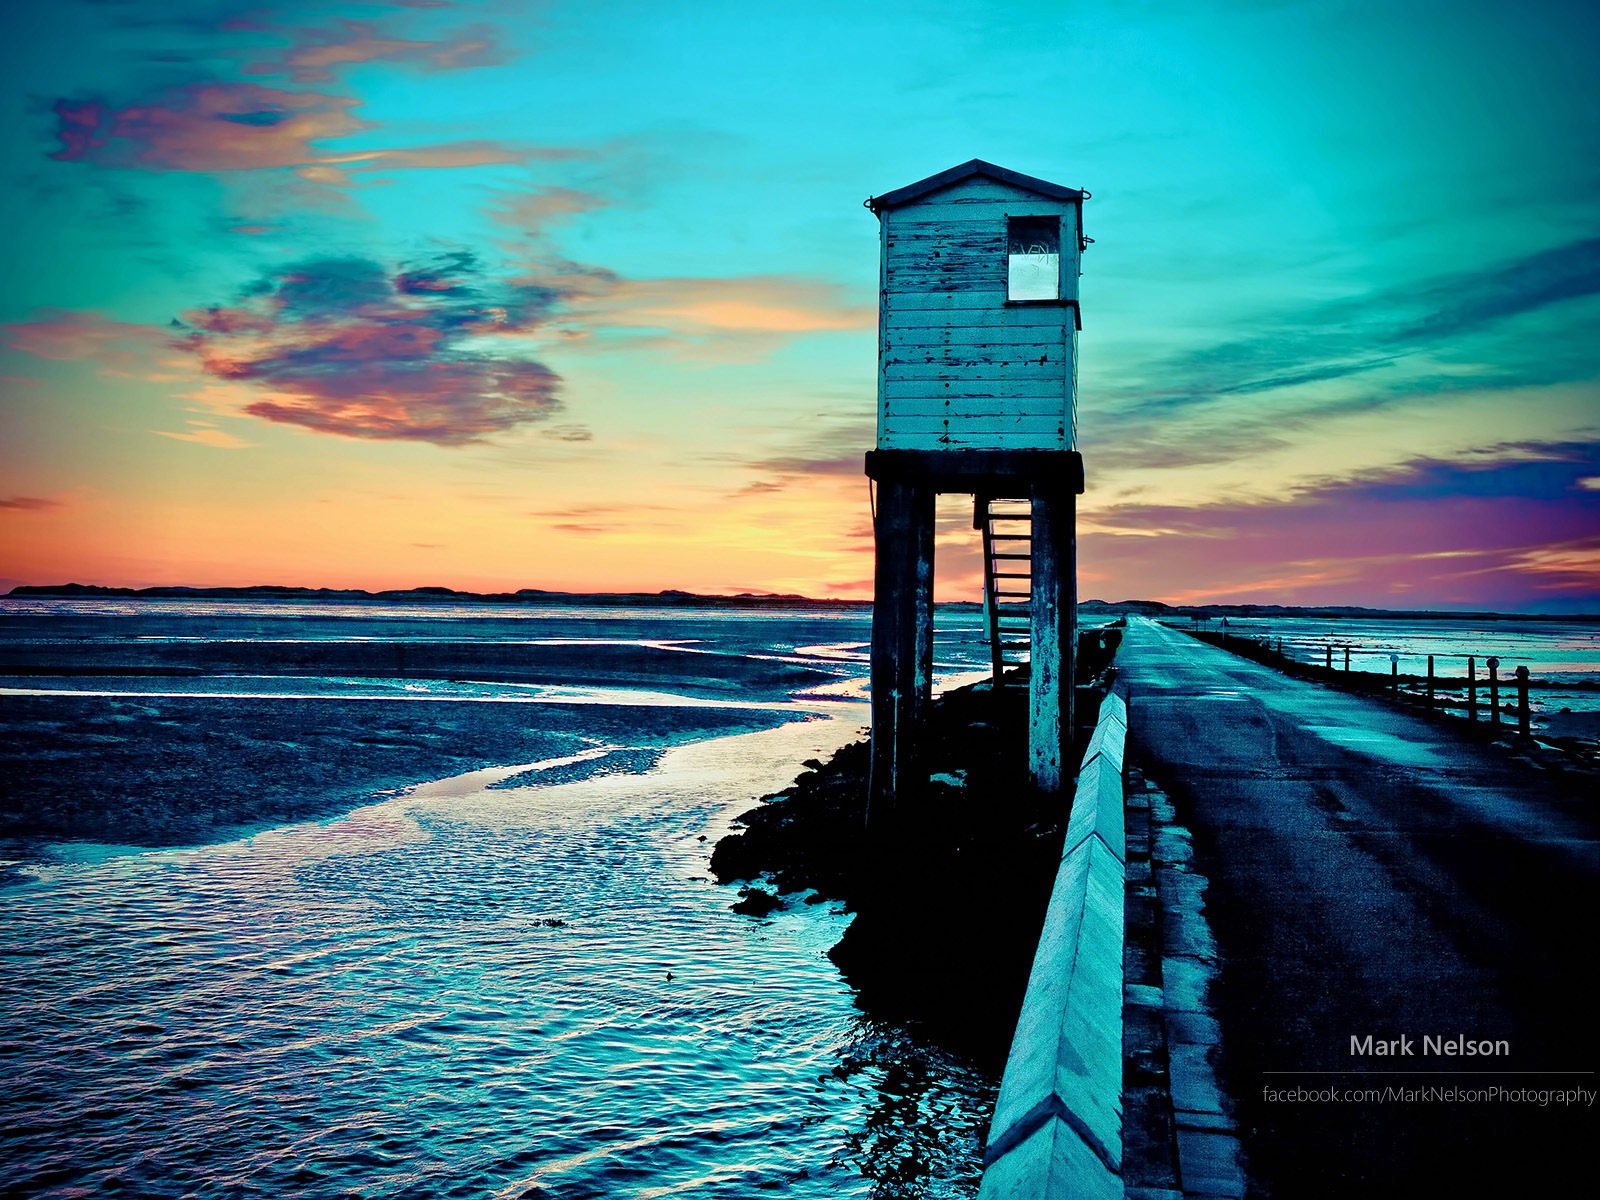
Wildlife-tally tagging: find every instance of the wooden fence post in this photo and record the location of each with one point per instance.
(1430, 681)
(1522, 701)
(1394, 673)
(1472, 688)
(1494, 692)
(1327, 661)
(1347, 658)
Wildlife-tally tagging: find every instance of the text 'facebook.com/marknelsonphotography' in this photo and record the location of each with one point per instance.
(1430, 1094)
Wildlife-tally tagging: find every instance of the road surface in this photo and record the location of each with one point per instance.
(1375, 873)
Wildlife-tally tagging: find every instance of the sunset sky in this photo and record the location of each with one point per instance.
(581, 295)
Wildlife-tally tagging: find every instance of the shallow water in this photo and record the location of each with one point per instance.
(513, 982)
(1562, 652)
(464, 992)
(1559, 649)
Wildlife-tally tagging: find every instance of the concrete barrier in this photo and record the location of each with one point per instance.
(1057, 1128)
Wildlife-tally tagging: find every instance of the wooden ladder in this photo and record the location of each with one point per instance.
(1007, 581)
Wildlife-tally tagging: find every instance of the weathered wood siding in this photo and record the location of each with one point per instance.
(959, 368)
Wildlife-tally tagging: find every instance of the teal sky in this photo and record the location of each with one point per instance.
(583, 295)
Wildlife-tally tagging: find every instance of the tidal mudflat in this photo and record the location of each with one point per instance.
(483, 959)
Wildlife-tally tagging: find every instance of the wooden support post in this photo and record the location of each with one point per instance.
(1472, 688)
(1053, 637)
(902, 646)
(1394, 673)
(1494, 692)
(1327, 658)
(1522, 701)
(1347, 658)
(1430, 681)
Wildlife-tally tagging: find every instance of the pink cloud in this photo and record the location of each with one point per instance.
(532, 212)
(316, 54)
(1501, 532)
(217, 439)
(218, 127)
(351, 347)
(65, 335)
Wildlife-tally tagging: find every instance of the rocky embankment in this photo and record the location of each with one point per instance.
(948, 913)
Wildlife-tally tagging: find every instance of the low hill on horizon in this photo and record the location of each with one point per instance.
(672, 598)
(668, 598)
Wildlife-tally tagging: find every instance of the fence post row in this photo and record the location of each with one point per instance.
(1524, 709)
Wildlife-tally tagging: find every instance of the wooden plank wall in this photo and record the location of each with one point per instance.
(958, 367)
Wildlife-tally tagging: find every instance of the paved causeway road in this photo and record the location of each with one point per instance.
(1373, 873)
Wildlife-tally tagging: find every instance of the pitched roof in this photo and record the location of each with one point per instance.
(977, 166)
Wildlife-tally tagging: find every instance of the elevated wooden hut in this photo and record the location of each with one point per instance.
(978, 330)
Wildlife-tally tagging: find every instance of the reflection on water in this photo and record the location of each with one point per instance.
(476, 989)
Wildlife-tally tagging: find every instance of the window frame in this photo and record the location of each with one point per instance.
(1059, 299)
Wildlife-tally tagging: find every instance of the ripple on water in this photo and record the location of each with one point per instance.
(463, 992)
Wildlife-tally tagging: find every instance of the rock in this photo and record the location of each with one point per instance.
(756, 903)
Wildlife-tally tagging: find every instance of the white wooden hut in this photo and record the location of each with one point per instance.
(979, 311)
(977, 376)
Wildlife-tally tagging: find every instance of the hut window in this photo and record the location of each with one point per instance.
(1033, 260)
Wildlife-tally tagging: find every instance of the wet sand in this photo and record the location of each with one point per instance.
(172, 769)
(166, 728)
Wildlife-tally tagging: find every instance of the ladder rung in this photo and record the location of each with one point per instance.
(1011, 537)
(1023, 557)
(1018, 595)
(1009, 575)
(1014, 645)
(994, 516)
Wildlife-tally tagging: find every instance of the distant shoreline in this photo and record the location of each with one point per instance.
(745, 600)
(436, 595)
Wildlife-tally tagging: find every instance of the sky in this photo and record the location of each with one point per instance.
(493, 294)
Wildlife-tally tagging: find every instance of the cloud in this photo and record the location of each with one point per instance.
(217, 126)
(117, 348)
(1564, 566)
(206, 127)
(530, 213)
(748, 304)
(29, 504)
(832, 452)
(354, 347)
(566, 433)
(436, 350)
(1399, 341)
(1501, 529)
(65, 335)
(217, 439)
(314, 55)
(729, 319)
(1471, 299)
